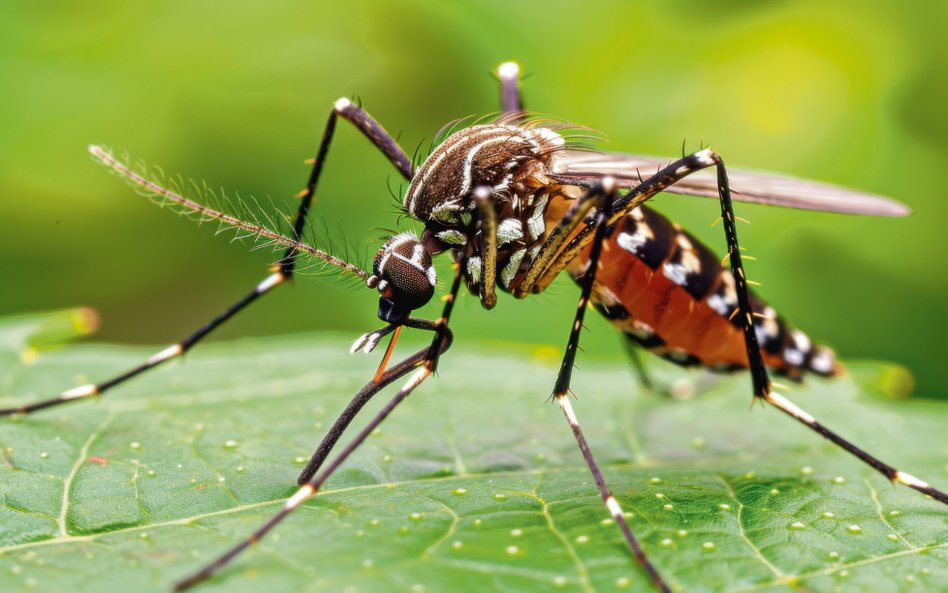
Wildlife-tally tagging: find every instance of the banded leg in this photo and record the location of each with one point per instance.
(424, 368)
(364, 122)
(561, 390)
(309, 488)
(646, 189)
(511, 103)
(759, 377)
(342, 108)
(547, 257)
(615, 509)
(365, 394)
(173, 351)
(538, 279)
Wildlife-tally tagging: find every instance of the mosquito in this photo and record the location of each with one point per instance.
(515, 201)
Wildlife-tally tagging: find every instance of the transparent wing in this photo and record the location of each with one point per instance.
(759, 187)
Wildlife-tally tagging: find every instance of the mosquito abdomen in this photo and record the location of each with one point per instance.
(669, 293)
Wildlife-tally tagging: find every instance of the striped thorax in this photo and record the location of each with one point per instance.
(514, 162)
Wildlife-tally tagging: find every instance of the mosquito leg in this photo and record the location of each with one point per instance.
(441, 325)
(428, 356)
(615, 509)
(309, 488)
(363, 396)
(364, 122)
(604, 195)
(635, 355)
(488, 228)
(761, 383)
(511, 103)
(173, 351)
(556, 252)
(547, 256)
(760, 380)
(342, 108)
(424, 368)
(538, 279)
(561, 390)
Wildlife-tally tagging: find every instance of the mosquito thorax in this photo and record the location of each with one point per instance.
(514, 163)
(509, 159)
(404, 276)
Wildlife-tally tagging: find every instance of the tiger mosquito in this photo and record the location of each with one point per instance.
(515, 202)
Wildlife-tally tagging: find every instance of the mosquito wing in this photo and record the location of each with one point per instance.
(759, 187)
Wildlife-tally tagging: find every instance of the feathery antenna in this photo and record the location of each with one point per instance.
(243, 229)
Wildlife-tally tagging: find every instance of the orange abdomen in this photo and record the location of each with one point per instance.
(670, 294)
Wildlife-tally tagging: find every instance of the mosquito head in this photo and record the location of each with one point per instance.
(404, 275)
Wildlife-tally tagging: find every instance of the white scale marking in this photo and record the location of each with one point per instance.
(81, 391)
(508, 70)
(452, 237)
(553, 138)
(822, 362)
(536, 224)
(704, 157)
(535, 251)
(504, 184)
(632, 242)
(910, 480)
(300, 495)
(474, 269)
(469, 159)
(770, 325)
(801, 340)
(395, 242)
(567, 407)
(429, 168)
(790, 407)
(716, 302)
(269, 282)
(411, 262)
(508, 231)
(169, 352)
(445, 212)
(365, 342)
(793, 357)
(761, 331)
(613, 505)
(677, 273)
(512, 267)
(724, 304)
(371, 343)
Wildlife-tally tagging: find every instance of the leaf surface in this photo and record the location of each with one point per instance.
(475, 484)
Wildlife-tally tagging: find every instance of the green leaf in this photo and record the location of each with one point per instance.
(475, 484)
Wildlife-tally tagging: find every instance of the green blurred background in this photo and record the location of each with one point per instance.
(236, 94)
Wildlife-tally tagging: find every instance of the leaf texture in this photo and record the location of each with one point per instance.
(475, 484)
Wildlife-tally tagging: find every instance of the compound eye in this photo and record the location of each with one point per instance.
(404, 276)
